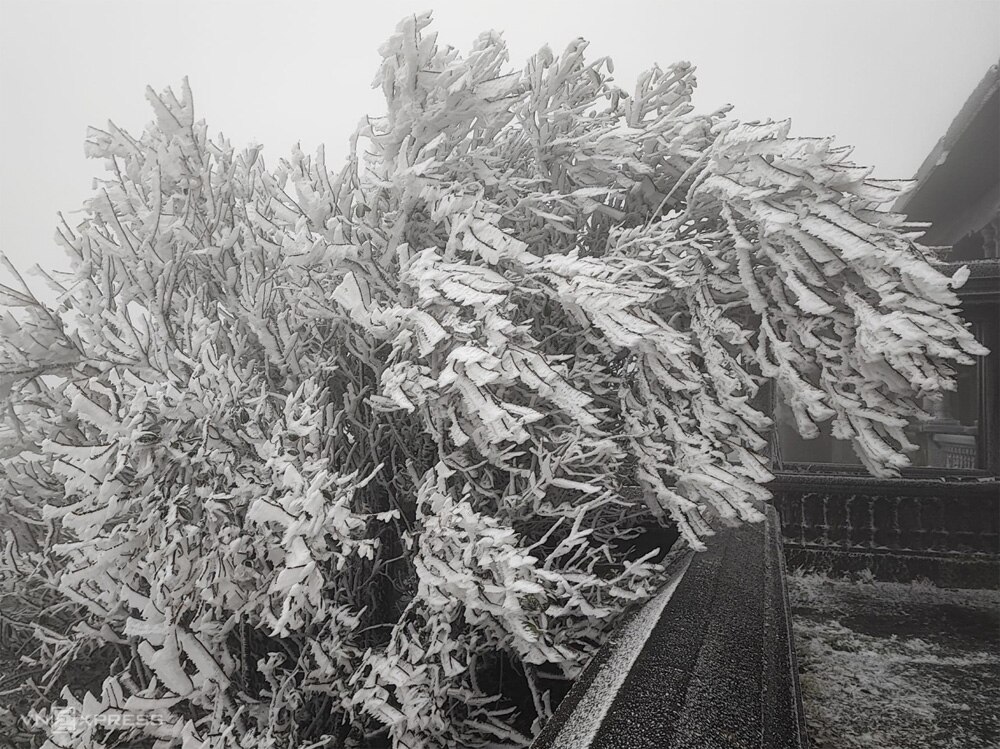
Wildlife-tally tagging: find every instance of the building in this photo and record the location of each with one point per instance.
(941, 518)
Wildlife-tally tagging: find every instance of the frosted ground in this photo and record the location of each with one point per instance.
(886, 665)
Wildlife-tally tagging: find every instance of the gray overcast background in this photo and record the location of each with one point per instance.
(886, 76)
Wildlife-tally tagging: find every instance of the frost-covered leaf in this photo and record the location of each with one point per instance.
(344, 445)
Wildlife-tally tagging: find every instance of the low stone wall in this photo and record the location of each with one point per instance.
(900, 530)
(708, 663)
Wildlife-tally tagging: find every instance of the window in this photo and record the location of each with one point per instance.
(949, 440)
(958, 437)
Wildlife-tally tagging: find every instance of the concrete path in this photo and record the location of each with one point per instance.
(714, 670)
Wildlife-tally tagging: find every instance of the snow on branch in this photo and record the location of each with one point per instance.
(325, 453)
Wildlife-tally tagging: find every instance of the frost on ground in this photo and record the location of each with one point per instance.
(895, 666)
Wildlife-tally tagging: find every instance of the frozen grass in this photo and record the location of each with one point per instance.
(896, 666)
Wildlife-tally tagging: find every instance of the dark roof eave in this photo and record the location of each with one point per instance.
(986, 88)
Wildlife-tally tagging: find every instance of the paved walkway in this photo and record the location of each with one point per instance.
(891, 666)
(706, 665)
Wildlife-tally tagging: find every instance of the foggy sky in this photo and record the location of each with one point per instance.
(886, 76)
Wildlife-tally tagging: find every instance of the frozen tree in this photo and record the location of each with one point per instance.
(311, 457)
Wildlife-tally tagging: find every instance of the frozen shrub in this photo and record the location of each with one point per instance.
(319, 454)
